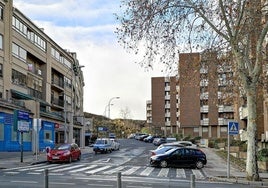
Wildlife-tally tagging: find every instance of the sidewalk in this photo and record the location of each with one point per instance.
(13, 159)
(216, 170)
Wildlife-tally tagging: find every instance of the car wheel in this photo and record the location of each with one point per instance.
(163, 164)
(79, 157)
(70, 159)
(199, 164)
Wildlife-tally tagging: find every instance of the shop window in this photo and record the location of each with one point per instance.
(14, 134)
(48, 136)
(1, 131)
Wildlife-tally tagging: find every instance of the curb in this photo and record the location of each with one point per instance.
(263, 182)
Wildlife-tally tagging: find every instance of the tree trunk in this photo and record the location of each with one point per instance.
(252, 165)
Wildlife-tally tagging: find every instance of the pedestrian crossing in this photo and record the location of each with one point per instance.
(96, 169)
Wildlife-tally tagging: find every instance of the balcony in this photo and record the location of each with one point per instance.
(167, 97)
(205, 122)
(167, 114)
(167, 88)
(204, 109)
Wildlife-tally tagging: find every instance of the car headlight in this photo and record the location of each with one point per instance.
(66, 153)
(153, 158)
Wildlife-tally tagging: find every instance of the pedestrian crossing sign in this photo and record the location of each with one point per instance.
(233, 128)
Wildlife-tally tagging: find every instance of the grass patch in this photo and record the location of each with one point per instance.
(240, 163)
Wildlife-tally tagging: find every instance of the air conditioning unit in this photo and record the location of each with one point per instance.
(39, 72)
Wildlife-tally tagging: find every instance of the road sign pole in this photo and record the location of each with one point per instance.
(228, 157)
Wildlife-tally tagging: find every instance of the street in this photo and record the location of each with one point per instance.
(129, 166)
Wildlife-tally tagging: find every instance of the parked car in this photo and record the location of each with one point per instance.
(161, 150)
(115, 144)
(180, 157)
(149, 139)
(102, 145)
(188, 144)
(174, 144)
(159, 141)
(64, 153)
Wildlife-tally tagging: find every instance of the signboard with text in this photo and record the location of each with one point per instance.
(21, 121)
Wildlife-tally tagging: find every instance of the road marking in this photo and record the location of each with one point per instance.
(17, 168)
(67, 168)
(180, 173)
(55, 166)
(33, 167)
(198, 174)
(11, 173)
(147, 171)
(34, 173)
(163, 172)
(97, 170)
(130, 171)
(83, 169)
(114, 170)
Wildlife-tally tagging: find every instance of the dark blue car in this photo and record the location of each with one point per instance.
(180, 157)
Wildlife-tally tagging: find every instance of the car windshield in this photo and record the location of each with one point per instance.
(101, 142)
(62, 147)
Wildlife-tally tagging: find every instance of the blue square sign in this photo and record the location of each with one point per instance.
(233, 128)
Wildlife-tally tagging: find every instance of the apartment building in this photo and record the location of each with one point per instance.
(41, 86)
(198, 102)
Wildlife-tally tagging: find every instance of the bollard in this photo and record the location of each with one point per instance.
(192, 181)
(119, 183)
(46, 178)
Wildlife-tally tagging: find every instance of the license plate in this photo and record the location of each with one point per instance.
(54, 157)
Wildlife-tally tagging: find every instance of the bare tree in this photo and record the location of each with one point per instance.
(165, 27)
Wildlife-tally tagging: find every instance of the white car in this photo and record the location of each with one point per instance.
(187, 144)
(115, 144)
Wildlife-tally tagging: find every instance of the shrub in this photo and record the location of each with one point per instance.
(263, 154)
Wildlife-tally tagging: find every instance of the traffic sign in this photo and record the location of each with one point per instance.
(233, 128)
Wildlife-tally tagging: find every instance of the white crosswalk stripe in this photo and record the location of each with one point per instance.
(163, 172)
(97, 170)
(89, 168)
(180, 173)
(114, 170)
(83, 169)
(131, 170)
(198, 174)
(51, 167)
(67, 168)
(147, 171)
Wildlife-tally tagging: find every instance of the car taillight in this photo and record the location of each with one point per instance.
(153, 153)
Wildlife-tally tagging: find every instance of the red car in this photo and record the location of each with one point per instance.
(64, 153)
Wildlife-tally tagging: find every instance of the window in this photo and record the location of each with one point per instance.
(18, 78)
(1, 132)
(14, 134)
(1, 42)
(48, 135)
(19, 52)
(23, 30)
(1, 13)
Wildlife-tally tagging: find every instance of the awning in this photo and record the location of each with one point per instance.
(19, 95)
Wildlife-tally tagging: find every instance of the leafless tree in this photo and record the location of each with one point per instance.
(163, 28)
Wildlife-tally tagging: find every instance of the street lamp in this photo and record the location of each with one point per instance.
(109, 105)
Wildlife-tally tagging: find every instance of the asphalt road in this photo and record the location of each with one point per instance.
(129, 164)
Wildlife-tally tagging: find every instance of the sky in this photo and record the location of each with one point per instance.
(87, 27)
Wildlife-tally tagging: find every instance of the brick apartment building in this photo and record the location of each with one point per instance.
(41, 86)
(195, 102)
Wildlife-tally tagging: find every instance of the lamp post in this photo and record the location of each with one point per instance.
(109, 105)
